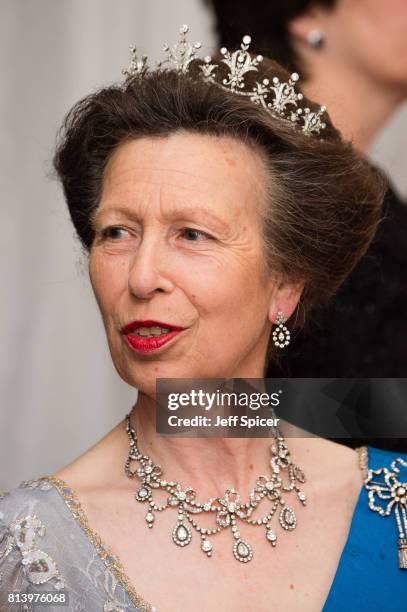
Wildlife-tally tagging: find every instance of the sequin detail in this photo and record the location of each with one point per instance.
(38, 566)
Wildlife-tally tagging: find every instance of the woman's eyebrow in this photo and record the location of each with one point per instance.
(198, 214)
(194, 213)
(99, 213)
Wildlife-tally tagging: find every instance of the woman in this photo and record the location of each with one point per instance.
(205, 216)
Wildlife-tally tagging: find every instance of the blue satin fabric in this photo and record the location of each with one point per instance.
(368, 576)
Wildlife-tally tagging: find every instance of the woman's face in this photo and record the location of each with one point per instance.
(371, 35)
(178, 241)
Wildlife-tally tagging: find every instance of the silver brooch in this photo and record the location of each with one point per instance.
(386, 486)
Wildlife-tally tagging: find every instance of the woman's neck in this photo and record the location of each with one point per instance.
(211, 465)
(358, 105)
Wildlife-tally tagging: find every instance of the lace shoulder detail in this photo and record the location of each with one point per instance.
(42, 548)
(111, 560)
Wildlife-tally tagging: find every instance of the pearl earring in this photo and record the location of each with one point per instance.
(316, 38)
(281, 335)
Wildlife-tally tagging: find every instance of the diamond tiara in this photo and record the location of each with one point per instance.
(280, 99)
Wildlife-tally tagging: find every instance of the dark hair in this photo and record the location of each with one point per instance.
(267, 24)
(325, 198)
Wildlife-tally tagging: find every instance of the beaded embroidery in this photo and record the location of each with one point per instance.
(39, 567)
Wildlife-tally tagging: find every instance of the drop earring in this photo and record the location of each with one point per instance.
(281, 335)
(316, 38)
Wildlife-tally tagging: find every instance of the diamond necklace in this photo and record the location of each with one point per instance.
(229, 509)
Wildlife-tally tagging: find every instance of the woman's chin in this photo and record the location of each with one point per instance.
(147, 385)
(146, 381)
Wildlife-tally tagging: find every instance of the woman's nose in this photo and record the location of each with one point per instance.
(147, 273)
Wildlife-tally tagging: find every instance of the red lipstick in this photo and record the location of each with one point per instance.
(143, 344)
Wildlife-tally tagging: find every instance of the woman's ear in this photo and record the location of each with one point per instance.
(285, 300)
(300, 27)
(313, 20)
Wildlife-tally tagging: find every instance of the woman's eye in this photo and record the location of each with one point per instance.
(110, 233)
(190, 234)
(194, 235)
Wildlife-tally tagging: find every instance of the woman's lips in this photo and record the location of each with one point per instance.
(134, 325)
(149, 345)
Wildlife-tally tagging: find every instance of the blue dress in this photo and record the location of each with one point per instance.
(47, 546)
(368, 576)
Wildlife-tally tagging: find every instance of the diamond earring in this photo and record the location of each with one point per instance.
(281, 335)
(316, 38)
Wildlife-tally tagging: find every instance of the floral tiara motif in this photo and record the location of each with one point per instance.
(280, 99)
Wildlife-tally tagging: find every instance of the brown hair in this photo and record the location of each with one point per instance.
(325, 198)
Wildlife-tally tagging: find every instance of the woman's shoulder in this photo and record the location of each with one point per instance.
(372, 571)
(28, 498)
(44, 549)
(40, 514)
(381, 457)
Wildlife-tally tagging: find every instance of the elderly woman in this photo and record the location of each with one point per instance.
(212, 199)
